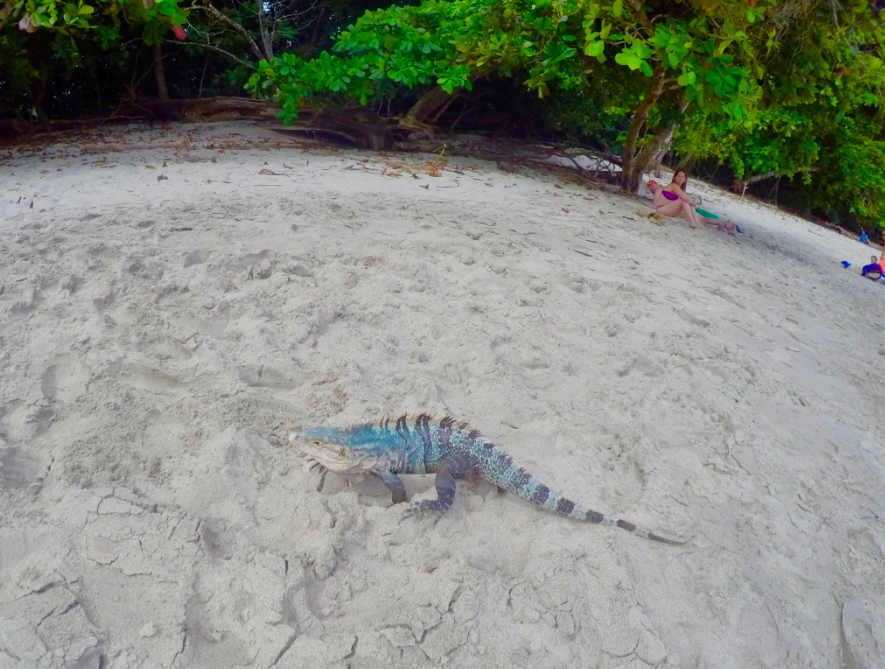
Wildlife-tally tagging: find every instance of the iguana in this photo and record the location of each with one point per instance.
(426, 444)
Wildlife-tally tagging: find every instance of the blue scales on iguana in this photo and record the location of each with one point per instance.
(424, 444)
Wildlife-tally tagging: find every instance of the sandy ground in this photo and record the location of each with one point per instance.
(158, 337)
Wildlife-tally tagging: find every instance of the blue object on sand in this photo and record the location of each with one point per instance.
(846, 264)
(738, 228)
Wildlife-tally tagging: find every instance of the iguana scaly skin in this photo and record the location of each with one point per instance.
(424, 444)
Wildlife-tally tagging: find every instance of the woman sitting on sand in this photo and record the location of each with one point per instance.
(672, 200)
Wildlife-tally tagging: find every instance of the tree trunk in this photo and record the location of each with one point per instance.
(430, 107)
(38, 96)
(651, 154)
(265, 37)
(631, 172)
(318, 24)
(659, 159)
(646, 160)
(160, 73)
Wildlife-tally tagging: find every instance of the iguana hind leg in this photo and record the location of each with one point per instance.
(450, 469)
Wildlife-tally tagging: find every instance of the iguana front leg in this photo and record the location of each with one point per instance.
(450, 469)
(394, 484)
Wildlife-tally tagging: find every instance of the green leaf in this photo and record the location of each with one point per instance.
(167, 7)
(594, 49)
(618, 8)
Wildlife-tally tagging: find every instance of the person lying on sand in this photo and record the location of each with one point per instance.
(672, 200)
(875, 269)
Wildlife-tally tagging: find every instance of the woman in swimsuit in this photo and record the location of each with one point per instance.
(672, 200)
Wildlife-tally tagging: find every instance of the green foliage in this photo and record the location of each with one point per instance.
(72, 18)
(820, 115)
(852, 178)
(780, 140)
(60, 30)
(400, 47)
(450, 42)
(582, 115)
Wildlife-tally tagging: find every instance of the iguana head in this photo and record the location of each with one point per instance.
(331, 447)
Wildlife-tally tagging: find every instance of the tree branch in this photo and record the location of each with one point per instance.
(6, 12)
(641, 16)
(742, 184)
(217, 15)
(221, 51)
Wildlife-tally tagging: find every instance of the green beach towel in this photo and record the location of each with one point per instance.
(705, 213)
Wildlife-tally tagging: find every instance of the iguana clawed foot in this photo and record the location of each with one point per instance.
(423, 507)
(431, 505)
(316, 466)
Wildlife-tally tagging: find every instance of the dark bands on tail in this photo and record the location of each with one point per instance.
(499, 468)
(600, 519)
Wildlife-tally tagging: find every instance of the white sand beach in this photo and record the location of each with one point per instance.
(159, 337)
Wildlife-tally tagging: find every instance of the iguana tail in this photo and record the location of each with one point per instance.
(498, 468)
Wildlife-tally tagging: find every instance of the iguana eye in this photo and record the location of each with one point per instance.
(316, 442)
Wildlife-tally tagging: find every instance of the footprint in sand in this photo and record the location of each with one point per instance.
(64, 381)
(642, 365)
(691, 319)
(104, 253)
(196, 258)
(17, 469)
(29, 302)
(863, 622)
(251, 259)
(104, 300)
(152, 380)
(261, 376)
